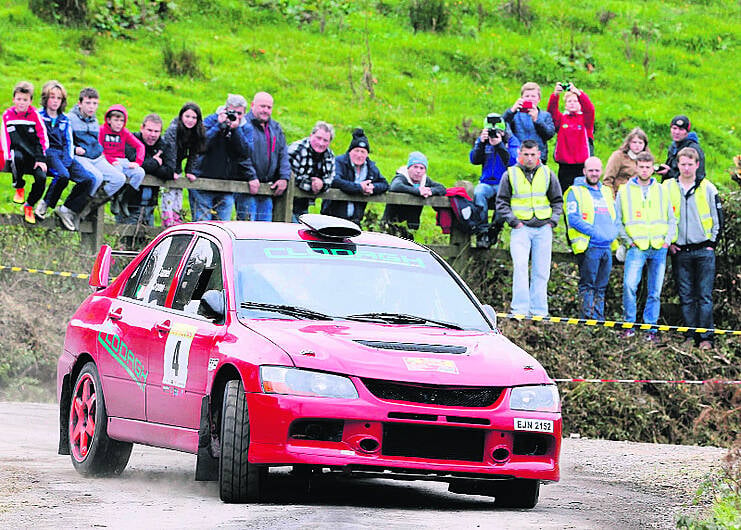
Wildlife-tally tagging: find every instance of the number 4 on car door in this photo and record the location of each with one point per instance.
(177, 352)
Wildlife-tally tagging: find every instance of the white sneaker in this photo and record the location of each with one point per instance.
(41, 208)
(67, 217)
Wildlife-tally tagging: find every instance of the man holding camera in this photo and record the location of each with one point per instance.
(227, 156)
(528, 122)
(495, 150)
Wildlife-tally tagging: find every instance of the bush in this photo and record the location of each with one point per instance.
(182, 62)
(67, 12)
(429, 15)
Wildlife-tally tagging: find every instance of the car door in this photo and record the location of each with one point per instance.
(124, 347)
(179, 365)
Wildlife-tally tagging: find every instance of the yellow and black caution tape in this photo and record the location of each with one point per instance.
(558, 320)
(619, 325)
(45, 272)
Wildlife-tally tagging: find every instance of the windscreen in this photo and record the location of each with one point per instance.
(341, 279)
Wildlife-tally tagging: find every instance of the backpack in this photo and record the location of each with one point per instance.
(466, 214)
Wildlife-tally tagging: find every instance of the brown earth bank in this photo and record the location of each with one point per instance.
(604, 484)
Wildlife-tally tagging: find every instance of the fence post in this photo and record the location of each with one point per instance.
(94, 239)
(283, 205)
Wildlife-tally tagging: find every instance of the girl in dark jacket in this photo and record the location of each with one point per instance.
(187, 136)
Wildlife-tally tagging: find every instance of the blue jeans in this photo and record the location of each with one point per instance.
(595, 265)
(253, 207)
(210, 205)
(635, 259)
(482, 194)
(695, 273)
(529, 295)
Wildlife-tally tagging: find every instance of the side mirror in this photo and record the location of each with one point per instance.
(100, 275)
(491, 315)
(212, 305)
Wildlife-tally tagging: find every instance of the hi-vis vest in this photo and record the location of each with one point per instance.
(528, 199)
(646, 220)
(580, 241)
(701, 201)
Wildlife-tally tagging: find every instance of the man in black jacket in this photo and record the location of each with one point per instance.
(269, 155)
(355, 174)
(137, 206)
(682, 137)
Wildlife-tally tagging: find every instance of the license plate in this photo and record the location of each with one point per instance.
(523, 424)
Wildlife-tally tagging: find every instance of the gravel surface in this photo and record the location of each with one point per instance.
(604, 484)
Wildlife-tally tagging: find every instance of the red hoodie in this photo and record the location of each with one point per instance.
(114, 144)
(574, 130)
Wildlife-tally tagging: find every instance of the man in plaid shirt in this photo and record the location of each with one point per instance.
(312, 163)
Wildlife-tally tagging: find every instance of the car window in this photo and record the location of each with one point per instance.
(340, 279)
(202, 272)
(151, 280)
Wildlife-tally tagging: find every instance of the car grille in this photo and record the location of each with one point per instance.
(410, 346)
(437, 443)
(448, 396)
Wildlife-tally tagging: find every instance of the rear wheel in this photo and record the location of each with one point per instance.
(239, 481)
(517, 493)
(93, 453)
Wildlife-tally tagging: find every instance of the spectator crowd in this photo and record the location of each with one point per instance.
(641, 210)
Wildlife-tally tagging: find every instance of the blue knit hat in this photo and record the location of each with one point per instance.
(417, 158)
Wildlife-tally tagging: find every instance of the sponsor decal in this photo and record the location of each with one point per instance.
(124, 356)
(424, 364)
(213, 362)
(367, 256)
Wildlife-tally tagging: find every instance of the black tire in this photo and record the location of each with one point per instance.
(517, 493)
(239, 481)
(92, 452)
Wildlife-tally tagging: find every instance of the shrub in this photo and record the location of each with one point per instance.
(67, 12)
(182, 62)
(429, 15)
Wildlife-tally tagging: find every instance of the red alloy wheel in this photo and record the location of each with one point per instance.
(82, 417)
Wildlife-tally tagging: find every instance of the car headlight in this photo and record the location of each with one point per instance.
(297, 382)
(541, 398)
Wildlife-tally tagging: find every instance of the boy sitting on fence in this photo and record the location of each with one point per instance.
(24, 143)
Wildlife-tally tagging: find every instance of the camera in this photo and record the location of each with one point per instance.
(231, 115)
(565, 85)
(526, 106)
(494, 124)
(657, 168)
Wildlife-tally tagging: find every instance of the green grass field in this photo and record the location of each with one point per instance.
(652, 60)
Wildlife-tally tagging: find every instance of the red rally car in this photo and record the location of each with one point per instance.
(313, 345)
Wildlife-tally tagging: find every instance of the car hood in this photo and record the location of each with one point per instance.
(401, 352)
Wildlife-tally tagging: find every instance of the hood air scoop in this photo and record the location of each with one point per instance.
(409, 346)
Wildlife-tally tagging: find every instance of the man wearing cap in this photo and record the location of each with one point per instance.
(697, 206)
(269, 154)
(681, 138)
(412, 179)
(355, 174)
(530, 200)
(494, 154)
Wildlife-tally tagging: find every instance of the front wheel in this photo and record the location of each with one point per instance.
(239, 481)
(93, 453)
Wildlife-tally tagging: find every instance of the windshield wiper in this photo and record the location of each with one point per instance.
(293, 311)
(400, 318)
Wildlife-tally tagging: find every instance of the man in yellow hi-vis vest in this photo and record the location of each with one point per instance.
(590, 211)
(646, 226)
(530, 201)
(697, 206)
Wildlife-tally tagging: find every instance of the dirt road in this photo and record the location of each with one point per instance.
(604, 485)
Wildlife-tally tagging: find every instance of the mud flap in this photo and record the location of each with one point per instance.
(207, 465)
(64, 405)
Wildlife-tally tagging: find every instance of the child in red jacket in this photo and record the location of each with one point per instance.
(114, 136)
(575, 132)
